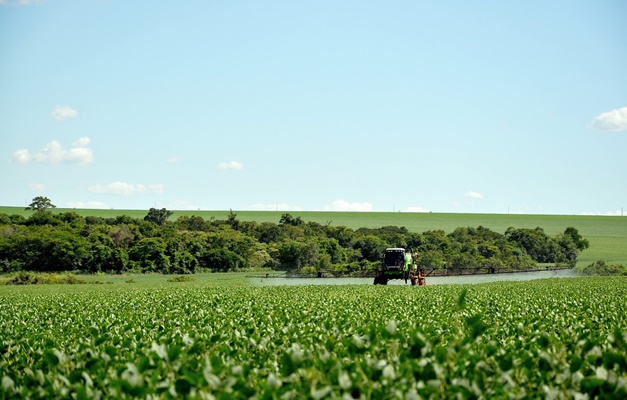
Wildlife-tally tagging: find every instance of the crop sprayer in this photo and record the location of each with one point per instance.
(399, 264)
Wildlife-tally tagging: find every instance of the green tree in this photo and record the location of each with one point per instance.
(46, 249)
(159, 217)
(232, 220)
(372, 247)
(268, 232)
(232, 240)
(4, 219)
(193, 223)
(462, 261)
(343, 234)
(183, 262)
(122, 236)
(431, 259)
(578, 240)
(43, 217)
(536, 243)
(288, 219)
(393, 236)
(334, 250)
(294, 255)
(17, 219)
(71, 218)
(431, 240)
(150, 255)
(40, 203)
(570, 243)
(260, 258)
(104, 257)
(222, 260)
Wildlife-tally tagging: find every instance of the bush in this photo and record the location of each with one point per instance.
(7, 266)
(308, 271)
(27, 278)
(602, 268)
(181, 279)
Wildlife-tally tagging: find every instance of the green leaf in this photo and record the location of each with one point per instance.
(288, 367)
(505, 362)
(173, 352)
(182, 386)
(51, 359)
(76, 376)
(461, 301)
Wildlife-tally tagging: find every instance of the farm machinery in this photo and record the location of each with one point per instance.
(399, 264)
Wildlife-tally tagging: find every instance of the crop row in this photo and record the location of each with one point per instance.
(559, 338)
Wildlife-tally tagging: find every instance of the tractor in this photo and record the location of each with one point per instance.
(398, 264)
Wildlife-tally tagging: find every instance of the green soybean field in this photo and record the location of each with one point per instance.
(551, 338)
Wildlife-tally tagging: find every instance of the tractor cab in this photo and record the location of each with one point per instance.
(394, 259)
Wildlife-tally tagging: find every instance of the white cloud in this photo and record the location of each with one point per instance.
(54, 153)
(127, 189)
(91, 205)
(615, 120)
(37, 187)
(609, 213)
(342, 205)
(273, 207)
(172, 160)
(234, 165)
(61, 113)
(473, 195)
(415, 210)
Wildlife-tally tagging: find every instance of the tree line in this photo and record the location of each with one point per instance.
(66, 241)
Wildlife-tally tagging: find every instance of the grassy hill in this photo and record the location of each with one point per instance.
(607, 235)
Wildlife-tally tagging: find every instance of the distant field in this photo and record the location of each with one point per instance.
(607, 235)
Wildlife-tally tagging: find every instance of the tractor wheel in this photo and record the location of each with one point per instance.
(379, 279)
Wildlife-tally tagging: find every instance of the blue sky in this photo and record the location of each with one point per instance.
(412, 106)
